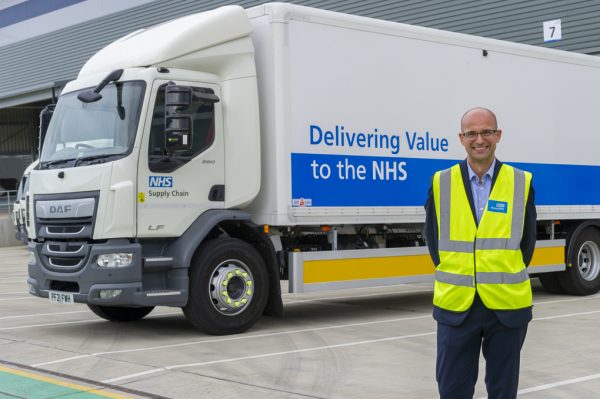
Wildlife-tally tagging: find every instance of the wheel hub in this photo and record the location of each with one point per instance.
(589, 260)
(231, 287)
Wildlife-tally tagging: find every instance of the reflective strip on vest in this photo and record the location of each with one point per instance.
(456, 246)
(514, 243)
(502, 278)
(444, 223)
(454, 279)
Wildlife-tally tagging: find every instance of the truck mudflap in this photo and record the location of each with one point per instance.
(86, 282)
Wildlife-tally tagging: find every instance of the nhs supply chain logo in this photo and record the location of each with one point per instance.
(160, 181)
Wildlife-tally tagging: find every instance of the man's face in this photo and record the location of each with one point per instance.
(480, 149)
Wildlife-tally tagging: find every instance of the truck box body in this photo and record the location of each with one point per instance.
(234, 148)
(357, 114)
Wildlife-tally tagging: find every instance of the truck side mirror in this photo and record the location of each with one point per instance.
(178, 121)
(206, 96)
(178, 133)
(177, 97)
(45, 116)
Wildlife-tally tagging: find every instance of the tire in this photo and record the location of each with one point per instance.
(120, 314)
(239, 270)
(582, 276)
(551, 283)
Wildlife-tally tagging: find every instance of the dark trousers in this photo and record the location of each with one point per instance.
(458, 350)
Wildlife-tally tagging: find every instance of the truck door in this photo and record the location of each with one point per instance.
(174, 189)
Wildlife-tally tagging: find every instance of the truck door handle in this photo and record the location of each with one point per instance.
(217, 193)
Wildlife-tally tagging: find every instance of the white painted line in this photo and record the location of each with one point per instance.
(235, 338)
(66, 359)
(14, 292)
(41, 314)
(272, 354)
(554, 385)
(126, 377)
(558, 384)
(75, 322)
(561, 316)
(20, 298)
(585, 298)
(48, 324)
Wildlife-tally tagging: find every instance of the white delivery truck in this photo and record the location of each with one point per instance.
(19, 209)
(199, 162)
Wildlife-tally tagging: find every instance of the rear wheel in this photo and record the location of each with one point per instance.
(582, 276)
(120, 314)
(228, 287)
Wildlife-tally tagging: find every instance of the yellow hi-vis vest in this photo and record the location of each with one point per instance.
(485, 258)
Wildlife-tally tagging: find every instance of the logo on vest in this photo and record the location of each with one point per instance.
(497, 206)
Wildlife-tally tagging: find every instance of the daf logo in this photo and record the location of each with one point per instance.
(60, 208)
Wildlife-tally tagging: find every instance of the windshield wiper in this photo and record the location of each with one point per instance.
(46, 164)
(100, 157)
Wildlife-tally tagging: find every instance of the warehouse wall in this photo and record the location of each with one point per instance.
(32, 67)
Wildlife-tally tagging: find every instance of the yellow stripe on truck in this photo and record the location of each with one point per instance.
(330, 270)
(548, 256)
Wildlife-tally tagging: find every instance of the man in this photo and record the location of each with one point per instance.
(480, 230)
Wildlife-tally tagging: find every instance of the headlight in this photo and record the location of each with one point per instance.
(114, 260)
(32, 259)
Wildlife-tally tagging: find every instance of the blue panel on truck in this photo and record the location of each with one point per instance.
(347, 180)
(563, 184)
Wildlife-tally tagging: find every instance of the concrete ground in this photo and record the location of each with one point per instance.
(7, 229)
(362, 343)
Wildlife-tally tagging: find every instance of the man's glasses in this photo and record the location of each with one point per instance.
(471, 134)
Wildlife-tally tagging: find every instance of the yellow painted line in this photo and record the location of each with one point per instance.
(54, 381)
(548, 256)
(324, 271)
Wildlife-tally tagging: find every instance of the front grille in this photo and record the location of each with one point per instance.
(65, 229)
(66, 286)
(64, 256)
(65, 226)
(64, 262)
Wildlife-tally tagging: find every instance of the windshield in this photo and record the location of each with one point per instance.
(80, 133)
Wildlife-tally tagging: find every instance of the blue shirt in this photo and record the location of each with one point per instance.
(481, 189)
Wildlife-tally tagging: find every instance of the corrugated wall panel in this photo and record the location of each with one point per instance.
(18, 130)
(47, 60)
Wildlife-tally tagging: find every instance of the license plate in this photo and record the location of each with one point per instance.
(64, 298)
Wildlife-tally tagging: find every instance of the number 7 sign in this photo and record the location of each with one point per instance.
(552, 31)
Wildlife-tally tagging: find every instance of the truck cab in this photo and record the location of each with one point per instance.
(150, 152)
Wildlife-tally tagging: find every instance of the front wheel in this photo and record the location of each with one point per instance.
(228, 287)
(582, 276)
(120, 314)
